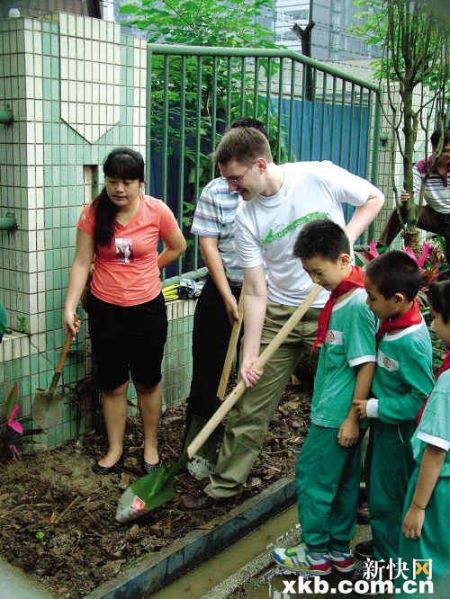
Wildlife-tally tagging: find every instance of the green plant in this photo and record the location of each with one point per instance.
(414, 67)
(192, 100)
(22, 324)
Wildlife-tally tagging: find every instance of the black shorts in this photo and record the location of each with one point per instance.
(127, 340)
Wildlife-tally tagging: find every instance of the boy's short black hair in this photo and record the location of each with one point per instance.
(439, 298)
(321, 238)
(395, 272)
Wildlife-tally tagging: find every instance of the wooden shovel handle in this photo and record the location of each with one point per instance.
(231, 352)
(59, 367)
(65, 350)
(240, 388)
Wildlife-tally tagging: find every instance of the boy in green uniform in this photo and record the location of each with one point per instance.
(328, 467)
(403, 379)
(426, 525)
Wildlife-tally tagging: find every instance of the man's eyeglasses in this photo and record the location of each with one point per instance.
(238, 178)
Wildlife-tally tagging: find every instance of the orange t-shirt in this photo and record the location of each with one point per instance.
(126, 272)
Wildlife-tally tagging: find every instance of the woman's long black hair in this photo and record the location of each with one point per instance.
(121, 163)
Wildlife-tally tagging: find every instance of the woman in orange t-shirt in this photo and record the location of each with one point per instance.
(127, 318)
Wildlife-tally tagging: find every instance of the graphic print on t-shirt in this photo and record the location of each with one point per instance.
(124, 249)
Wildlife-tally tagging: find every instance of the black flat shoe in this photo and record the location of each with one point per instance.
(114, 469)
(148, 468)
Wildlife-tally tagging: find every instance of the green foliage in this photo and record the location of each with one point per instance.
(11, 400)
(413, 37)
(229, 23)
(193, 100)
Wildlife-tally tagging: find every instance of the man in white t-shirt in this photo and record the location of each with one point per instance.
(278, 201)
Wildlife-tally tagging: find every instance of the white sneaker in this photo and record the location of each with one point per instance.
(199, 467)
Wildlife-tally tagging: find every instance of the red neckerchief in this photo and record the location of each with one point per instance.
(354, 279)
(407, 319)
(445, 366)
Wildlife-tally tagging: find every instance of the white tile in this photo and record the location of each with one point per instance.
(39, 198)
(65, 111)
(37, 65)
(37, 42)
(63, 46)
(71, 27)
(79, 26)
(63, 27)
(39, 133)
(39, 176)
(40, 239)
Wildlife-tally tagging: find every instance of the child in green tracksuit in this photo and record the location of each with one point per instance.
(426, 524)
(403, 379)
(328, 467)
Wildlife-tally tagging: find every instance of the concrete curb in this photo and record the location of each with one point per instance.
(155, 571)
(15, 583)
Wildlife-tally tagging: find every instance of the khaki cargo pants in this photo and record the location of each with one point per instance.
(249, 419)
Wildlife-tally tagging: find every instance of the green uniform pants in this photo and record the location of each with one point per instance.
(391, 467)
(249, 419)
(327, 478)
(434, 542)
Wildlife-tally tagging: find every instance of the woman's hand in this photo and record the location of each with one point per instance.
(71, 321)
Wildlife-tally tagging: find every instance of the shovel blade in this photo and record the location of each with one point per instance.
(150, 491)
(146, 494)
(47, 409)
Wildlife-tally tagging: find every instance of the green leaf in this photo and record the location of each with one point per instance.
(12, 399)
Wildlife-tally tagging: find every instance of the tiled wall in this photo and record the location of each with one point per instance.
(76, 87)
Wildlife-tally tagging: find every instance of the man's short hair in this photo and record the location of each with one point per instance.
(247, 121)
(244, 144)
(437, 136)
(395, 272)
(321, 238)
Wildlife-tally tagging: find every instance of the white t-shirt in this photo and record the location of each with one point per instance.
(267, 226)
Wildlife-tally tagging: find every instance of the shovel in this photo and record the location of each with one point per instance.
(231, 351)
(48, 407)
(154, 489)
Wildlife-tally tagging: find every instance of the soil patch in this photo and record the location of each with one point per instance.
(57, 518)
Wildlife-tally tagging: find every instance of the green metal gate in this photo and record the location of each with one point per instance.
(311, 111)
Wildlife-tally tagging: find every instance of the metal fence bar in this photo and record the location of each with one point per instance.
(291, 155)
(165, 147)
(280, 109)
(255, 89)
(322, 124)
(182, 152)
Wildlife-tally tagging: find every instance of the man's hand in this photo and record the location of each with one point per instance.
(413, 522)
(348, 432)
(231, 308)
(360, 406)
(250, 375)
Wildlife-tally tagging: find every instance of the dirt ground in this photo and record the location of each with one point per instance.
(57, 518)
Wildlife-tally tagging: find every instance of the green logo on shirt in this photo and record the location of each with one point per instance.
(303, 220)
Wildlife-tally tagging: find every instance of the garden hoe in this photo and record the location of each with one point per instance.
(47, 407)
(158, 487)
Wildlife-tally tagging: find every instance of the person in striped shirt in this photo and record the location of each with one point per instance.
(435, 213)
(216, 309)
